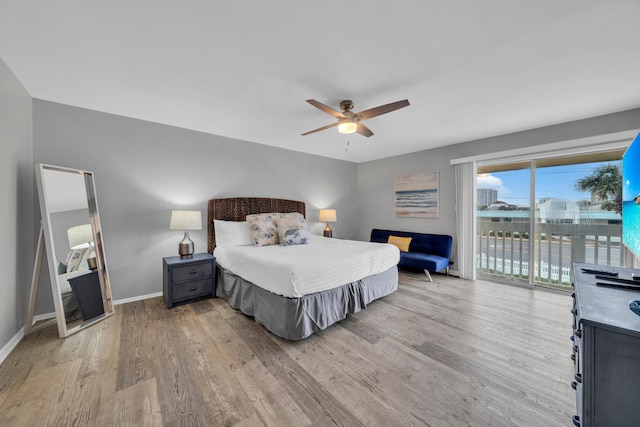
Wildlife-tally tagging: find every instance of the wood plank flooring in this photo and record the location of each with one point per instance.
(447, 353)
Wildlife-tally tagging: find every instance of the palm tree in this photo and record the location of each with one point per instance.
(605, 183)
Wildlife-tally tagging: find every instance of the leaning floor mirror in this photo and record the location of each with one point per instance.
(72, 236)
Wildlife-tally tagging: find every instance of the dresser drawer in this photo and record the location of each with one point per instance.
(192, 272)
(192, 290)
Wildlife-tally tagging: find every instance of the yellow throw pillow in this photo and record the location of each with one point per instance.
(401, 242)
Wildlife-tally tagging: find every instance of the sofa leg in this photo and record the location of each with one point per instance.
(428, 275)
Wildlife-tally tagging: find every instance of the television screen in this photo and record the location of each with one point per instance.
(631, 197)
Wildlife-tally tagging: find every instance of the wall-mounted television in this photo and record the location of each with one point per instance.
(631, 197)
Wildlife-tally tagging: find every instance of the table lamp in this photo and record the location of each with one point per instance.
(327, 215)
(80, 237)
(185, 221)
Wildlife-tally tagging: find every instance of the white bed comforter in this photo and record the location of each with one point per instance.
(294, 271)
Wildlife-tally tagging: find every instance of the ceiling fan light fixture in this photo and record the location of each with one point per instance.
(347, 126)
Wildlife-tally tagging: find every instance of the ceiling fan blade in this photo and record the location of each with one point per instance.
(363, 130)
(320, 106)
(383, 109)
(319, 129)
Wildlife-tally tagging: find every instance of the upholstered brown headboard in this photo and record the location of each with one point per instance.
(237, 209)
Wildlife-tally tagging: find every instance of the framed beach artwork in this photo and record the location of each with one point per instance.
(416, 194)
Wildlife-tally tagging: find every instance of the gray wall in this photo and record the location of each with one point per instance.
(144, 170)
(375, 178)
(16, 209)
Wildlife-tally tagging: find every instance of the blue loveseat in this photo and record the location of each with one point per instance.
(429, 252)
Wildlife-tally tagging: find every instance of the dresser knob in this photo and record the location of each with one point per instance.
(578, 333)
(576, 421)
(194, 271)
(193, 288)
(578, 377)
(574, 311)
(574, 385)
(573, 357)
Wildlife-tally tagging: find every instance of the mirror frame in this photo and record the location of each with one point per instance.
(47, 233)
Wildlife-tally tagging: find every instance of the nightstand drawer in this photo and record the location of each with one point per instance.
(192, 272)
(192, 290)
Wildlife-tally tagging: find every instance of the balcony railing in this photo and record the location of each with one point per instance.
(503, 249)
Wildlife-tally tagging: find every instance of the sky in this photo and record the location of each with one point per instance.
(554, 181)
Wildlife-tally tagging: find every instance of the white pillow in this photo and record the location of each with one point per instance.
(232, 233)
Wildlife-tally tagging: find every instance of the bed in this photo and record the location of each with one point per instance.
(296, 309)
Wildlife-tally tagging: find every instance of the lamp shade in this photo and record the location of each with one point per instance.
(186, 220)
(327, 215)
(80, 236)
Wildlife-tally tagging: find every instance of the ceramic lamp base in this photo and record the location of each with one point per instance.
(185, 249)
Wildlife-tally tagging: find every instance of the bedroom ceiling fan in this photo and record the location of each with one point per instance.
(350, 122)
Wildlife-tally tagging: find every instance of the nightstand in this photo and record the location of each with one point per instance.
(86, 289)
(187, 279)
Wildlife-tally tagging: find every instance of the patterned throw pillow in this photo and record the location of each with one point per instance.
(77, 260)
(401, 243)
(263, 229)
(292, 229)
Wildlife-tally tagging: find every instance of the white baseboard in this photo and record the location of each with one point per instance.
(138, 298)
(13, 342)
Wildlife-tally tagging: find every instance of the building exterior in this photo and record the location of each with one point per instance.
(486, 196)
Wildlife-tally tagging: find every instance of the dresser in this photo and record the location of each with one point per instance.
(606, 351)
(187, 279)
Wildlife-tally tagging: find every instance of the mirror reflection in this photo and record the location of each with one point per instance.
(77, 264)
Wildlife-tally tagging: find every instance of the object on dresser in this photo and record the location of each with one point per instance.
(620, 282)
(600, 271)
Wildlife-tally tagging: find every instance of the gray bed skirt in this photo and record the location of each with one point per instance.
(297, 318)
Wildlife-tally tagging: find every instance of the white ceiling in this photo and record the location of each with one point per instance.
(243, 69)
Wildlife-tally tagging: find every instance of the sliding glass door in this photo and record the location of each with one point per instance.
(503, 221)
(535, 218)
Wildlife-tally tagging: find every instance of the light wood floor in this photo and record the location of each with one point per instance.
(448, 353)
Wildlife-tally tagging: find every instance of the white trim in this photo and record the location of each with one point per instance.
(610, 141)
(138, 298)
(13, 342)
